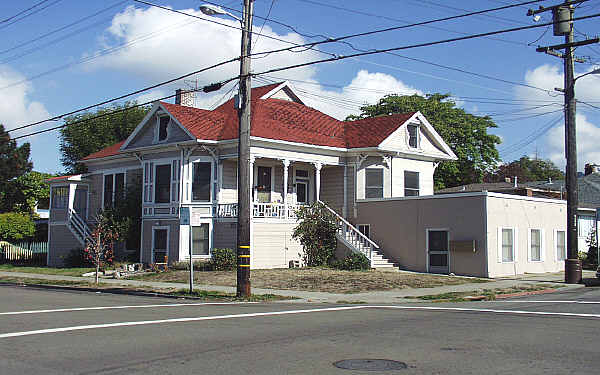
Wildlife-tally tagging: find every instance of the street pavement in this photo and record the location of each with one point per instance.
(74, 332)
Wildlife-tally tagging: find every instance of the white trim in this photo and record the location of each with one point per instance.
(515, 241)
(208, 221)
(555, 235)
(427, 230)
(282, 86)
(140, 126)
(154, 227)
(530, 242)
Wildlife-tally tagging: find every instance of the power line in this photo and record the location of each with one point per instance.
(23, 11)
(45, 35)
(16, 19)
(337, 58)
(510, 149)
(127, 95)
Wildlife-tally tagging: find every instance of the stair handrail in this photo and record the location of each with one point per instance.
(80, 226)
(350, 225)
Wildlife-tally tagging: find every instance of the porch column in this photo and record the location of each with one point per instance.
(286, 164)
(251, 178)
(318, 167)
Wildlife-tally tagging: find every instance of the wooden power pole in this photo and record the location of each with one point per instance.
(563, 26)
(244, 189)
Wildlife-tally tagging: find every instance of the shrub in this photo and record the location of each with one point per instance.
(353, 262)
(316, 232)
(199, 265)
(223, 259)
(76, 259)
(16, 227)
(591, 258)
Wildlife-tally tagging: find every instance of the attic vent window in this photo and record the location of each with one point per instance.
(413, 135)
(163, 124)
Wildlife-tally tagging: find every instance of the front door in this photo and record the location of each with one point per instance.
(302, 192)
(160, 245)
(263, 186)
(437, 251)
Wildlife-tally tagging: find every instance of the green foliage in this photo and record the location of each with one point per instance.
(16, 227)
(14, 161)
(23, 193)
(316, 232)
(353, 262)
(466, 134)
(527, 169)
(125, 216)
(223, 259)
(77, 258)
(591, 258)
(94, 134)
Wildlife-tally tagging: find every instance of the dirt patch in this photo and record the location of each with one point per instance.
(488, 294)
(317, 279)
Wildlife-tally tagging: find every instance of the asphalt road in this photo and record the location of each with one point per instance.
(557, 333)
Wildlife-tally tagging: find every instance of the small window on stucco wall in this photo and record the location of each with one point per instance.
(374, 183)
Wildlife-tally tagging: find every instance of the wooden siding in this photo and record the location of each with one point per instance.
(146, 256)
(62, 242)
(273, 246)
(146, 135)
(95, 194)
(229, 182)
(224, 234)
(332, 187)
(398, 141)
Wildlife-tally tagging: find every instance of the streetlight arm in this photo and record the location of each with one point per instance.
(213, 10)
(595, 71)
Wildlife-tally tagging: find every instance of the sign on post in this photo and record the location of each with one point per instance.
(184, 216)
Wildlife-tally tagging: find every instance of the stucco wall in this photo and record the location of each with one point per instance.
(272, 245)
(399, 227)
(524, 214)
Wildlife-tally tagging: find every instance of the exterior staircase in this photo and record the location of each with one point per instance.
(353, 239)
(79, 228)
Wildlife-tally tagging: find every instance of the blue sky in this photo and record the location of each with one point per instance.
(116, 47)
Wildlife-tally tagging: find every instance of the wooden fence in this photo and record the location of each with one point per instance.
(26, 253)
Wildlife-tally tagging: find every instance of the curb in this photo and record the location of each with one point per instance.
(98, 290)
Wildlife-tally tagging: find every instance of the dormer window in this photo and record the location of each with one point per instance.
(163, 127)
(413, 135)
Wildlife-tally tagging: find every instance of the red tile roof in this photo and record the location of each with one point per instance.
(60, 177)
(279, 119)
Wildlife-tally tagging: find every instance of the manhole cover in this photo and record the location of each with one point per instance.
(370, 364)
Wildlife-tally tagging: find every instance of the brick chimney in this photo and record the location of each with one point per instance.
(590, 168)
(184, 97)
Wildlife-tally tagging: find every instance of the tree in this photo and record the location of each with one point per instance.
(23, 193)
(86, 133)
(316, 232)
(527, 169)
(466, 134)
(99, 249)
(14, 160)
(16, 227)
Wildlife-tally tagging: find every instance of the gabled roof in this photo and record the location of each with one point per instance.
(281, 120)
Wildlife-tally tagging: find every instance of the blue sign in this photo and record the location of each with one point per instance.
(184, 216)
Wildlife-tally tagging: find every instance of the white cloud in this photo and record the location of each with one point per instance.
(17, 109)
(163, 45)
(151, 95)
(588, 139)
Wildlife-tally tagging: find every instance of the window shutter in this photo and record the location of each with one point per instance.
(515, 244)
(499, 251)
(175, 180)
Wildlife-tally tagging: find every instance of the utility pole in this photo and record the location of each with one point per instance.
(244, 198)
(563, 25)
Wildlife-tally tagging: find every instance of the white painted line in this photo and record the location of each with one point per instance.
(290, 312)
(176, 320)
(517, 312)
(119, 307)
(541, 301)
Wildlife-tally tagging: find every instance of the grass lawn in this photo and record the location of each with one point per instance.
(485, 294)
(202, 294)
(46, 270)
(316, 279)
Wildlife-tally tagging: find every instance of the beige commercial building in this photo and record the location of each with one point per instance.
(479, 234)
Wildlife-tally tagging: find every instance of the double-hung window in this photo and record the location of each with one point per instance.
(411, 184)
(507, 245)
(200, 239)
(114, 188)
(374, 183)
(561, 245)
(60, 197)
(162, 191)
(201, 181)
(535, 245)
(413, 135)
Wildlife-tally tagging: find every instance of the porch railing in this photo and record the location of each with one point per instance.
(260, 210)
(79, 227)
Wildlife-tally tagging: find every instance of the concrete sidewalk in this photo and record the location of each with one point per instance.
(388, 296)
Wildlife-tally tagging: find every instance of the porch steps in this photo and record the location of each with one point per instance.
(353, 239)
(79, 228)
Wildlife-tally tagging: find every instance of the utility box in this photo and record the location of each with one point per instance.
(561, 16)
